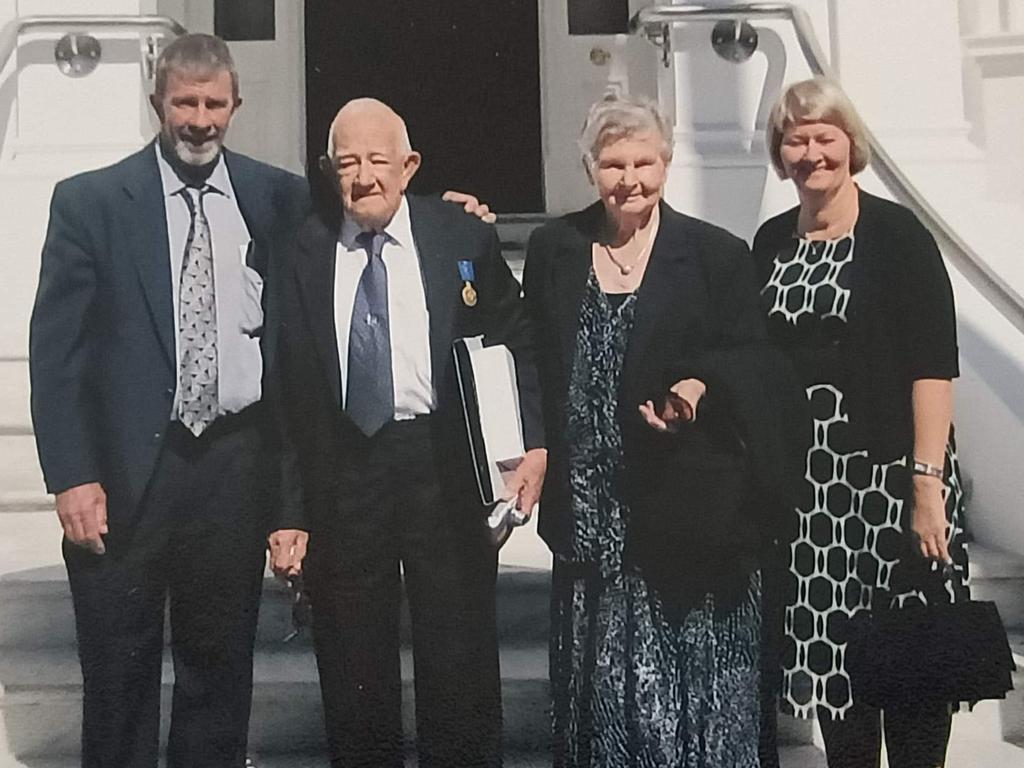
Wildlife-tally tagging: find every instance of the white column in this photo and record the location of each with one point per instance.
(981, 17)
(57, 115)
(902, 68)
(1015, 16)
(720, 170)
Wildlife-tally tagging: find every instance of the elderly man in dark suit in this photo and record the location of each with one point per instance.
(151, 382)
(377, 293)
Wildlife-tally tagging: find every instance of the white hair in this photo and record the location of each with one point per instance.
(621, 116)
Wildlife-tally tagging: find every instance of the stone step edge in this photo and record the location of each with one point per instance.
(991, 563)
(27, 502)
(280, 666)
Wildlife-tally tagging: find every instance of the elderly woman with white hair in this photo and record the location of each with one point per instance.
(856, 291)
(644, 317)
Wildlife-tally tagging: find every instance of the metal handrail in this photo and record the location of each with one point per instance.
(653, 22)
(13, 29)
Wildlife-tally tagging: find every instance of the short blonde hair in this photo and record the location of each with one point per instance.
(812, 101)
(622, 116)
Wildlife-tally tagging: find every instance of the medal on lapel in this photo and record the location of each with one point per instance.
(468, 275)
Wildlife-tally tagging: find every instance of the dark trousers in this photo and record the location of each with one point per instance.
(774, 575)
(394, 519)
(915, 736)
(199, 541)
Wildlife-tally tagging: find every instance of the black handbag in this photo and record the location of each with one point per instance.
(940, 652)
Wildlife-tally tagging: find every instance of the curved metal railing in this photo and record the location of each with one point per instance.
(654, 22)
(82, 23)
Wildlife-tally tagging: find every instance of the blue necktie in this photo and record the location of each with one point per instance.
(370, 396)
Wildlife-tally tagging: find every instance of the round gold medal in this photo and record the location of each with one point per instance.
(469, 295)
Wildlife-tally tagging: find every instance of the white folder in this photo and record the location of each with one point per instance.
(490, 402)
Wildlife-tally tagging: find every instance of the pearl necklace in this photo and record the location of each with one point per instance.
(623, 268)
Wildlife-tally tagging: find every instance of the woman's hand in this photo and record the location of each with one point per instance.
(929, 518)
(679, 407)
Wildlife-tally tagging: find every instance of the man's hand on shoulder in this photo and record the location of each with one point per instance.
(471, 205)
(287, 551)
(82, 510)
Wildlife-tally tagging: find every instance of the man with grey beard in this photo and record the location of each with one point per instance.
(152, 362)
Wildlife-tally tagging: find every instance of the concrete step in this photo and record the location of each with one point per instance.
(36, 611)
(30, 545)
(14, 396)
(21, 479)
(998, 576)
(792, 757)
(514, 231)
(41, 700)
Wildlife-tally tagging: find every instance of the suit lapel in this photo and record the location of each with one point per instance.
(147, 233)
(570, 268)
(667, 294)
(315, 269)
(439, 267)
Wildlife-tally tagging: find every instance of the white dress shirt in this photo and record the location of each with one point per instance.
(238, 289)
(408, 317)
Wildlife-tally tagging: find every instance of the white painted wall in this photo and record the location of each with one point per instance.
(900, 62)
(904, 75)
(719, 171)
(570, 83)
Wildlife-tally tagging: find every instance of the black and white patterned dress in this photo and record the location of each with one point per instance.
(850, 521)
(632, 687)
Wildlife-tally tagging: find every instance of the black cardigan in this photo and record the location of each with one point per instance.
(901, 319)
(704, 500)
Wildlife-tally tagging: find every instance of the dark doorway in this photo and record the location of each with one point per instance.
(464, 74)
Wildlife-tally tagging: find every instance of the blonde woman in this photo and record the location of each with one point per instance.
(856, 290)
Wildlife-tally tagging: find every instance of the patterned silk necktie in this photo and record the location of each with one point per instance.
(197, 321)
(370, 400)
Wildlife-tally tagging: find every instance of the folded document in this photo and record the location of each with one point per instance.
(490, 402)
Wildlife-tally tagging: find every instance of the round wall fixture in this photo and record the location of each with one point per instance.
(77, 54)
(734, 41)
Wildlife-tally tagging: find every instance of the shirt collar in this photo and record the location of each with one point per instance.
(173, 184)
(398, 230)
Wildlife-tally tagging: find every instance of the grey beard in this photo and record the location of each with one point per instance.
(187, 153)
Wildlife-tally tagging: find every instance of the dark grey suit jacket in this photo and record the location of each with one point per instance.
(102, 351)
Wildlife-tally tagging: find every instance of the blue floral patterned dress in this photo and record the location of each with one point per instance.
(632, 687)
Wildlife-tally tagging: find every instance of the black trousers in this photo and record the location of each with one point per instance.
(199, 540)
(774, 576)
(395, 519)
(915, 736)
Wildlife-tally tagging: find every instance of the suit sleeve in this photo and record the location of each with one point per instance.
(509, 324)
(736, 324)
(60, 349)
(290, 499)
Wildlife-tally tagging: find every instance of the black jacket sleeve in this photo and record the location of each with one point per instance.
(61, 347)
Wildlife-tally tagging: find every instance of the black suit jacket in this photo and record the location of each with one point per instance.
(325, 440)
(691, 494)
(102, 350)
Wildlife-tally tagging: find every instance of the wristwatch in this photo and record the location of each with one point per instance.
(924, 468)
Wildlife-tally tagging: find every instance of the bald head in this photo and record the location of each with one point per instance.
(369, 150)
(376, 113)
